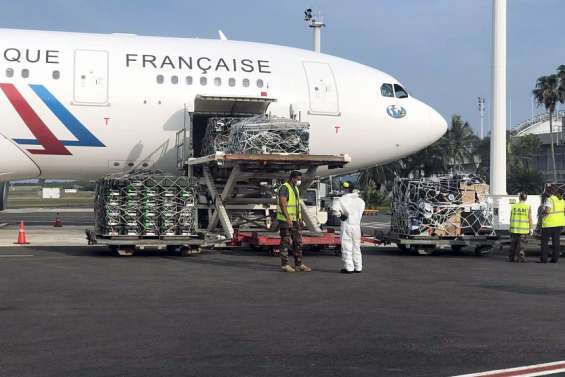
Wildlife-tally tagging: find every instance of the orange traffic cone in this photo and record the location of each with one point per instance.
(58, 223)
(22, 235)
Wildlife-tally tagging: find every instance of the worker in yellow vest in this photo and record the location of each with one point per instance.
(552, 224)
(520, 228)
(289, 217)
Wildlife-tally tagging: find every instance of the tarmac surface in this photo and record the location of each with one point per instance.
(80, 311)
(70, 311)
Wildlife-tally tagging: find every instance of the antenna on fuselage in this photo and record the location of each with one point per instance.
(316, 23)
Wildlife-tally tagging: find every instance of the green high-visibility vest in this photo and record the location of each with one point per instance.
(293, 204)
(556, 217)
(519, 218)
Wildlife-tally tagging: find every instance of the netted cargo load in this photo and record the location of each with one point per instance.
(443, 206)
(217, 134)
(146, 204)
(269, 134)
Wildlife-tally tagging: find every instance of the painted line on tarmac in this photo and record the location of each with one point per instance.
(17, 256)
(525, 371)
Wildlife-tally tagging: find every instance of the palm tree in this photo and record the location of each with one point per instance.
(458, 142)
(561, 74)
(548, 93)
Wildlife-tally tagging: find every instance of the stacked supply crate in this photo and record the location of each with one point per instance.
(146, 204)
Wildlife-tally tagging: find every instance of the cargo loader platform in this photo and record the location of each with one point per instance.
(245, 181)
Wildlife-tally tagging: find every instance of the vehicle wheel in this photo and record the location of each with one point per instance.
(424, 249)
(173, 249)
(187, 251)
(402, 247)
(456, 248)
(125, 251)
(482, 250)
(337, 251)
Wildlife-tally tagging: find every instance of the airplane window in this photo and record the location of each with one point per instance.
(160, 79)
(231, 82)
(188, 80)
(400, 92)
(9, 72)
(217, 81)
(25, 73)
(56, 75)
(203, 81)
(174, 80)
(259, 83)
(386, 90)
(245, 83)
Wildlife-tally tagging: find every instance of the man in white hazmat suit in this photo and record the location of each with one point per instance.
(350, 209)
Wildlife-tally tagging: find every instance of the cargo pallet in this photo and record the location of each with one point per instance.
(126, 245)
(425, 245)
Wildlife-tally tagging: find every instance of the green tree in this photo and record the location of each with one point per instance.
(547, 93)
(522, 176)
(458, 142)
(523, 149)
(561, 75)
(481, 151)
(522, 179)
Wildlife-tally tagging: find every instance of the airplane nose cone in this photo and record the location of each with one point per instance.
(438, 125)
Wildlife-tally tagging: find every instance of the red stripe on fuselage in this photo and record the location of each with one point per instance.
(45, 137)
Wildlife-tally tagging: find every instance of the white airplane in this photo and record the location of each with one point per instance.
(79, 105)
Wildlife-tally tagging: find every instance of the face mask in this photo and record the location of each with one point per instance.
(298, 183)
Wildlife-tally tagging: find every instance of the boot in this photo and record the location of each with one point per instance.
(287, 268)
(303, 268)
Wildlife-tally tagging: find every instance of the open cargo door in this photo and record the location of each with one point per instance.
(232, 106)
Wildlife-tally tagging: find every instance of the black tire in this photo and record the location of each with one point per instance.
(456, 249)
(402, 247)
(125, 251)
(482, 250)
(188, 251)
(337, 251)
(424, 249)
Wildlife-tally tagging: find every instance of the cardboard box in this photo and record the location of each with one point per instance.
(451, 228)
(468, 197)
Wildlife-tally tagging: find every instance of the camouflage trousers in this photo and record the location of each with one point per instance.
(517, 248)
(291, 237)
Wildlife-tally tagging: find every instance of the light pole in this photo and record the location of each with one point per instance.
(316, 23)
(481, 101)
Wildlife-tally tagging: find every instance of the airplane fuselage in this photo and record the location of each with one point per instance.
(84, 105)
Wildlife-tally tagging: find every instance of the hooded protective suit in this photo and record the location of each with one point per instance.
(351, 206)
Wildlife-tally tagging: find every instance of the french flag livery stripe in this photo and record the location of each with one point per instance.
(43, 136)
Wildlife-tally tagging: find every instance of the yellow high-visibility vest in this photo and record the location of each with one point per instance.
(293, 204)
(520, 219)
(557, 216)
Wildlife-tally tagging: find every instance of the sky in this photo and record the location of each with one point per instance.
(439, 49)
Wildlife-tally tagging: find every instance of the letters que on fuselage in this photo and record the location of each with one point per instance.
(135, 60)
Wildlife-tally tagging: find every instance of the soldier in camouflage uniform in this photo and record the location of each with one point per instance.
(290, 222)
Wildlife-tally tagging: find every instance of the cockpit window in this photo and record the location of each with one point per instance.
(400, 92)
(386, 90)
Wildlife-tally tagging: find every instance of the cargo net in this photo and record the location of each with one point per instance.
(145, 204)
(444, 206)
(263, 134)
(217, 134)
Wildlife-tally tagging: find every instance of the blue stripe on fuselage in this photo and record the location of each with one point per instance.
(84, 137)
